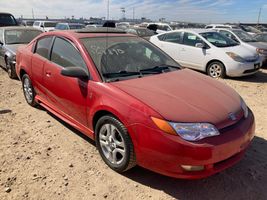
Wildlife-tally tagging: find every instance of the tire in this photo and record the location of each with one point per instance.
(115, 146)
(28, 90)
(216, 70)
(11, 70)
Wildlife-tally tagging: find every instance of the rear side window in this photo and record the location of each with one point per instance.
(173, 37)
(66, 55)
(191, 39)
(42, 47)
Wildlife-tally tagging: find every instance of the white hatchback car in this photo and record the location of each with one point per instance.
(208, 51)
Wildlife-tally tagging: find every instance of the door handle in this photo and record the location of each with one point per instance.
(183, 49)
(48, 73)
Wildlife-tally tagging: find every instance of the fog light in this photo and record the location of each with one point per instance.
(192, 168)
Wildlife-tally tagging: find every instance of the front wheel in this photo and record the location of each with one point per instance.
(114, 144)
(28, 90)
(216, 70)
(11, 70)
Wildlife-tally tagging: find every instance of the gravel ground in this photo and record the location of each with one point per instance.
(41, 157)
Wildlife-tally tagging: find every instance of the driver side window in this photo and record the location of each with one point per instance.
(66, 55)
(191, 39)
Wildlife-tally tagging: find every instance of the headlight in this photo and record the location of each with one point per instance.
(262, 51)
(187, 131)
(244, 108)
(235, 57)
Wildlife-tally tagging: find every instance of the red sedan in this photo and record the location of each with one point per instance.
(136, 102)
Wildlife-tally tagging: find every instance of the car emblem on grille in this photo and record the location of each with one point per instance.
(232, 116)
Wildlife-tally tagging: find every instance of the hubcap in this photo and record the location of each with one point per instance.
(27, 90)
(215, 71)
(112, 144)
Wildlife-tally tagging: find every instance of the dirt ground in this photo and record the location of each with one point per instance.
(43, 158)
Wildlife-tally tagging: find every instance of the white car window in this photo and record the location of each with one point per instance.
(191, 39)
(173, 37)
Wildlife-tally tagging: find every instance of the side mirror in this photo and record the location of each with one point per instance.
(42, 26)
(75, 72)
(200, 45)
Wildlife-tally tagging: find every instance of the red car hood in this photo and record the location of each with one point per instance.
(186, 96)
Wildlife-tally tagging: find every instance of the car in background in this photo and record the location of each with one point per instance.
(262, 37)
(141, 32)
(11, 37)
(27, 23)
(250, 29)
(247, 40)
(123, 25)
(212, 26)
(208, 51)
(159, 27)
(69, 26)
(7, 19)
(45, 26)
(136, 102)
(93, 26)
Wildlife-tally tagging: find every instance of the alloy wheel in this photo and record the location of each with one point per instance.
(112, 144)
(27, 88)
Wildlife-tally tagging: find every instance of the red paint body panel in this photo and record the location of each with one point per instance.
(180, 96)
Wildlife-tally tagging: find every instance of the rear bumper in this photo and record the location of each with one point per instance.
(164, 153)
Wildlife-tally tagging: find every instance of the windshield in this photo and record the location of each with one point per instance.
(117, 57)
(50, 24)
(20, 36)
(7, 20)
(76, 26)
(218, 39)
(244, 36)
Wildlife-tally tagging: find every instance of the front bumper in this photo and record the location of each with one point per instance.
(164, 153)
(237, 69)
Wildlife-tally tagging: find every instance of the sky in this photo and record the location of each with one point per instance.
(203, 11)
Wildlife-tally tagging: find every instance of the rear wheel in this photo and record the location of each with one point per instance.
(28, 90)
(216, 70)
(114, 144)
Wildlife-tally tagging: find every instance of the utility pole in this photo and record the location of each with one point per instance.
(259, 17)
(133, 14)
(107, 9)
(32, 14)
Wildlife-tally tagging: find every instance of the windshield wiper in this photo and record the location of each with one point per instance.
(158, 69)
(120, 74)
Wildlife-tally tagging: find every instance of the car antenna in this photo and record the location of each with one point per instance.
(107, 33)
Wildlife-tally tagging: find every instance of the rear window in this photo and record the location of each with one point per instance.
(20, 36)
(7, 20)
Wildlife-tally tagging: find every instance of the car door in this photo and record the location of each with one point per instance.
(39, 58)
(171, 44)
(65, 94)
(190, 55)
